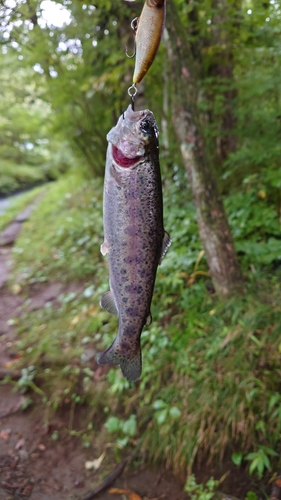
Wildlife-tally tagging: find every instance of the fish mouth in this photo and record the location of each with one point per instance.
(135, 116)
(122, 160)
(131, 136)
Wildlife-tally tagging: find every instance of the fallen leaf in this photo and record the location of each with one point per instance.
(95, 464)
(41, 447)
(129, 493)
(9, 364)
(278, 482)
(119, 491)
(27, 490)
(190, 281)
(262, 194)
(5, 434)
(16, 289)
(20, 444)
(74, 320)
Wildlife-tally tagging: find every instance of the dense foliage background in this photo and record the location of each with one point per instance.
(67, 83)
(211, 381)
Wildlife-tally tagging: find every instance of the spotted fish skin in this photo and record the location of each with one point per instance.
(148, 36)
(134, 236)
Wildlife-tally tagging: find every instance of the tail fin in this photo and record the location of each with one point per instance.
(130, 366)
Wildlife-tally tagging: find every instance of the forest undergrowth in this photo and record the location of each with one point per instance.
(210, 387)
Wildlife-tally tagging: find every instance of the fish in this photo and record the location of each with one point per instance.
(134, 236)
(148, 33)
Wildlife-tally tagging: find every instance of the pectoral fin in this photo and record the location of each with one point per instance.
(104, 248)
(107, 302)
(165, 245)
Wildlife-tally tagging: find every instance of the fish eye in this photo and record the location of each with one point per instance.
(146, 127)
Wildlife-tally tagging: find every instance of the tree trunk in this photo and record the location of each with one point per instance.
(213, 225)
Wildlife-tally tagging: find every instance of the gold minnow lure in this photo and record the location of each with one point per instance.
(148, 32)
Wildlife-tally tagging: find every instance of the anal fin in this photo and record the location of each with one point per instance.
(108, 303)
(148, 320)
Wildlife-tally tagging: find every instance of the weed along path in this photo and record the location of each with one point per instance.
(42, 455)
(65, 428)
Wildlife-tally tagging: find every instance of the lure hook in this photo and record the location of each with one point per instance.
(132, 91)
(134, 26)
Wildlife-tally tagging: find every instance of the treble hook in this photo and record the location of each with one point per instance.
(132, 91)
(134, 26)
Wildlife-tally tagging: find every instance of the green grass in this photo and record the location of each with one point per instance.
(62, 239)
(18, 204)
(13, 177)
(225, 365)
(19, 176)
(211, 371)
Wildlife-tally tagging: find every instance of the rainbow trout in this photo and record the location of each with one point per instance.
(134, 236)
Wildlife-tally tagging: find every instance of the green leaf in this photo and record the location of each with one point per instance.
(276, 398)
(270, 451)
(266, 462)
(161, 416)
(113, 424)
(158, 404)
(211, 484)
(130, 426)
(256, 464)
(251, 496)
(237, 458)
(174, 412)
(122, 442)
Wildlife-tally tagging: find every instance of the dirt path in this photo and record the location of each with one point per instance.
(33, 463)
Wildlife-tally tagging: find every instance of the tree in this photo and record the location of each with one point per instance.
(29, 151)
(213, 226)
(214, 46)
(219, 74)
(83, 64)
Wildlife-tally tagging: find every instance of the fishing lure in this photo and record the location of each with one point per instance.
(148, 30)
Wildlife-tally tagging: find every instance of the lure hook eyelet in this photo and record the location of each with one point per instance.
(132, 91)
(134, 24)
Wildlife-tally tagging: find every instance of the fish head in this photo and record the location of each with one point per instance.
(132, 137)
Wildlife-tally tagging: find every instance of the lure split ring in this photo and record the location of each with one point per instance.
(132, 91)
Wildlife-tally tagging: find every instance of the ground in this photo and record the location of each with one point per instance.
(33, 464)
